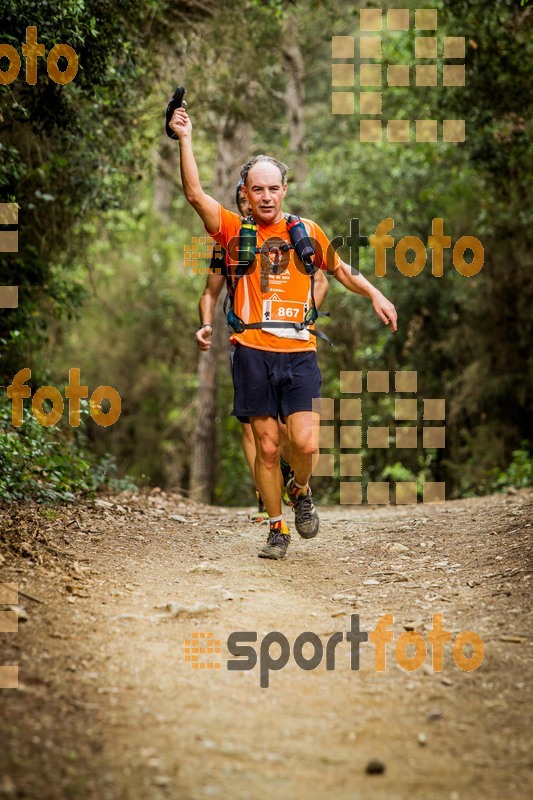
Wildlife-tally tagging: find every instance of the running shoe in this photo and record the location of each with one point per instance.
(277, 542)
(306, 516)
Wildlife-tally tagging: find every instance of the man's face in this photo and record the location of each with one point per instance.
(245, 209)
(265, 191)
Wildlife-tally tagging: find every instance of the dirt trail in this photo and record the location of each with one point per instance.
(108, 707)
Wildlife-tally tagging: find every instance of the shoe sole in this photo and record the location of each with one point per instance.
(308, 535)
(271, 556)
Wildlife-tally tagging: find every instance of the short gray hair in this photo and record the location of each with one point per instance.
(283, 168)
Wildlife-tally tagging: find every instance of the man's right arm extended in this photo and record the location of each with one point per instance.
(203, 204)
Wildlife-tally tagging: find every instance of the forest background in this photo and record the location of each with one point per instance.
(103, 225)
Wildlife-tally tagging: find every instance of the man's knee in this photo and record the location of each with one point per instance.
(304, 446)
(266, 436)
(268, 453)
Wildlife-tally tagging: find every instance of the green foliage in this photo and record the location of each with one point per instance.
(227, 80)
(519, 473)
(75, 151)
(397, 472)
(48, 464)
(101, 275)
(467, 338)
(234, 484)
(139, 320)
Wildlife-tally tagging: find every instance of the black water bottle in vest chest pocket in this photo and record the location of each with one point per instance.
(274, 257)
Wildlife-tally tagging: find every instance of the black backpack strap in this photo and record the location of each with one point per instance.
(217, 263)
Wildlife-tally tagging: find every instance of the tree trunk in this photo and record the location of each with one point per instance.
(233, 142)
(294, 103)
(204, 441)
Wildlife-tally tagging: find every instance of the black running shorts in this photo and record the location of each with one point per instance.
(268, 384)
(231, 357)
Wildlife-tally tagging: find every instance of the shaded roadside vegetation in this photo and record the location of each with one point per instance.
(102, 228)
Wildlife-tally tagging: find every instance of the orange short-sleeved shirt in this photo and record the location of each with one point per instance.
(263, 294)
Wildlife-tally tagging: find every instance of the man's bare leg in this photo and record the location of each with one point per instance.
(267, 473)
(303, 430)
(248, 446)
(267, 445)
(285, 462)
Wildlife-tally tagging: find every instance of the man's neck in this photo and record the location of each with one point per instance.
(276, 221)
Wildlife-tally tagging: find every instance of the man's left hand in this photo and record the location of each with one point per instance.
(385, 310)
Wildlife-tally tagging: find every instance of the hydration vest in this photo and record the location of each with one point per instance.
(302, 246)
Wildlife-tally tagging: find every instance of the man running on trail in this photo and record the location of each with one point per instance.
(275, 371)
(213, 287)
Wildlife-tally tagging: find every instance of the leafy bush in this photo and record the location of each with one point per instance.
(519, 473)
(48, 464)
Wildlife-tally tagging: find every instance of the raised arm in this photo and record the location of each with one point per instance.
(203, 204)
(360, 285)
